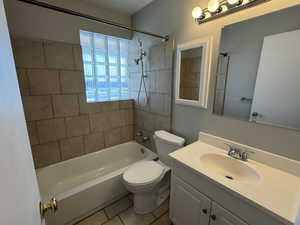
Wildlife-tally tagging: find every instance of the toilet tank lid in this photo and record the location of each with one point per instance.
(168, 137)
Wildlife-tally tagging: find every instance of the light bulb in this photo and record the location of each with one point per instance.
(197, 12)
(213, 6)
(233, 2)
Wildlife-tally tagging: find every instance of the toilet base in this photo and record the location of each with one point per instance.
(145, 202)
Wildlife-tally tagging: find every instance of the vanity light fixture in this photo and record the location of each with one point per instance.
(218, 8)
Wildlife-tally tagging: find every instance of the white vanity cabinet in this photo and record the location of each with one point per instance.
(221, 216)
(190, 207)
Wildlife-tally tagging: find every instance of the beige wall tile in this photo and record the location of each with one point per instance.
(116, 119)
(77, 51)
(86, 108)
(46, 154)
(43, 82)
(94, 142)
(164, 81)
(51, 130)
(160, 104)
(37, 107)
(126, 104)
(71, 148)
(32, 133)
(127, 117)
(72, 82)
(127, 134)
(23, 78)
(77, 126)
(110, 106)
(28, 53)
(162, 123)
(65, 105)
(113, 137)
(59, 55)
(100, 122)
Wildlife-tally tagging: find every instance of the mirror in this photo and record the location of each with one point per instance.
(193, 72)
(258, 76)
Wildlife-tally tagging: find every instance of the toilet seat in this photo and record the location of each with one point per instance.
(143, 173)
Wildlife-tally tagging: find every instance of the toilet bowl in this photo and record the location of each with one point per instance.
(149, 180)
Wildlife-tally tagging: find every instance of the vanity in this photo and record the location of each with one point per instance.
(209, 187)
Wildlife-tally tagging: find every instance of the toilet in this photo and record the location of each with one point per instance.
(149, 180)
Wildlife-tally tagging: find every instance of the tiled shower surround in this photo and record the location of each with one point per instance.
(61, 124)
(155, 115)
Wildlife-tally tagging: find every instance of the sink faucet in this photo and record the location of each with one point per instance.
(237, 153)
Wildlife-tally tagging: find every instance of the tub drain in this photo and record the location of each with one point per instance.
(229, 177)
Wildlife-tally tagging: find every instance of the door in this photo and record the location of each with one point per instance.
(277, 89)
(188, 206)
(220, 216)
(19, 192)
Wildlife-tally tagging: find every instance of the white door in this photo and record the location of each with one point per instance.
(220, 216)
(277, 89)
(19, 192)
(188, 206)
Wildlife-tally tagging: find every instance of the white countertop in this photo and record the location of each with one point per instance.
(277, 191)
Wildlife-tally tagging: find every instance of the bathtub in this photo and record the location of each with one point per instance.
(88, 183)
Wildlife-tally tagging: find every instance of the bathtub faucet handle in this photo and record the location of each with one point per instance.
(139, 134)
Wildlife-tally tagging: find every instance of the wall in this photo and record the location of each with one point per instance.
(156, 113)
(243, 42)
(29, 21)
(174, 17)
(60, 123)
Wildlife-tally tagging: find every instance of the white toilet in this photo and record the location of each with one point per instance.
(149, 180)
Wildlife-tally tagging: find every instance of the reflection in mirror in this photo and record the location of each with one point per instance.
(190, 73)
(258, 70)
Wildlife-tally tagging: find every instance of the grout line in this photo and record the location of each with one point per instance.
(121, 220)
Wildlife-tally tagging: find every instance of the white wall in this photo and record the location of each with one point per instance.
(174, 17)
(35, 22)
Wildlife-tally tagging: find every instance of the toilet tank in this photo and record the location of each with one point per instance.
(166, 143)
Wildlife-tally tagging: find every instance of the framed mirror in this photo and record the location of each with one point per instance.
(258, 77)
(193, 72)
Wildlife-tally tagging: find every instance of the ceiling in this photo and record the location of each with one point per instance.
(125, 6)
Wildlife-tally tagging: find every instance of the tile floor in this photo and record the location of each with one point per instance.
(121, 213)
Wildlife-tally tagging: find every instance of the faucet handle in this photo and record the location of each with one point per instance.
(231, 148)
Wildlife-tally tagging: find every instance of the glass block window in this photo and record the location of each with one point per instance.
(105, 66)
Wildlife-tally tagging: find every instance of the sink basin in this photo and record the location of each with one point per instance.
(230, 168)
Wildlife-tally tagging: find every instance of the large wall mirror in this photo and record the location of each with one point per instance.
(193, 72)
(258, 77)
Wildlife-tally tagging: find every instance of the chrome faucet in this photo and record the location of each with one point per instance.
(237, 153)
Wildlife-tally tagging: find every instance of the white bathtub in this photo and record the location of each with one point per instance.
(88, 183)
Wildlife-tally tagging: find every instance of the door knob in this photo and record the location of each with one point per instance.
(204, 211)
(52, 205)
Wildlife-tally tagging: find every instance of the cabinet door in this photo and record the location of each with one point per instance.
(220, 216)
(188, 206)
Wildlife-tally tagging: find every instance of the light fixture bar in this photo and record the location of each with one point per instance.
(231, 9)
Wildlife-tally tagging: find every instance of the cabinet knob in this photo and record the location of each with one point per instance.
(213, 217)
(204, 211)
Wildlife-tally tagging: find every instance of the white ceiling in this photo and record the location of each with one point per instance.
(124, 6)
